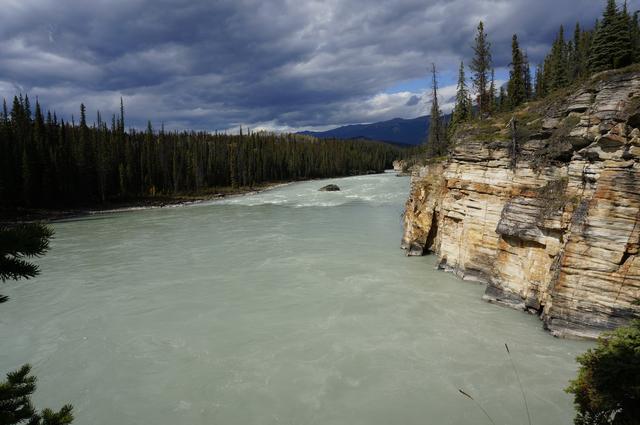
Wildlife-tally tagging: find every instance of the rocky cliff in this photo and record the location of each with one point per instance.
(543, 206)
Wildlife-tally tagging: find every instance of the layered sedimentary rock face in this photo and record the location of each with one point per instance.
(544, 208)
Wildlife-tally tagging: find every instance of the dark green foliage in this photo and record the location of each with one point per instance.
(18, 243)
(15, 392)
(49, 417)
(437, 140)
(607, 389)
(612, 46)
(463, 108)
(528, 85)
(481, 66)
(517, 87)
(614, 42)
(16, 406)
(579, 55)
(502, 102)
(556, 66)
(634, 33)
(46, 163)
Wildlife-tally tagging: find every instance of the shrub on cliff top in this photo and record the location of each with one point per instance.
(607, 389)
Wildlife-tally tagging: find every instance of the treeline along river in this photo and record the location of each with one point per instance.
(47, 162)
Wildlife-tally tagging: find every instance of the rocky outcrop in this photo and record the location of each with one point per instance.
(402, 168)
(399, 165)
(330, 188)
(546, 211)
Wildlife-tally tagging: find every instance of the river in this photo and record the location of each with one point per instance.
(291, 306)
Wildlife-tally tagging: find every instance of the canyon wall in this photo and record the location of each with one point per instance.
(544, 208)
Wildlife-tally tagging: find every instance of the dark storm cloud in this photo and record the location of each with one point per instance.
(276, 63)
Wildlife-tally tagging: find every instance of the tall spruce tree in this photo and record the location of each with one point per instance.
(611, 47)
(436, 141)
(635, 37)
(83, 115)
(462, 109)
(516, 86)
(481, 66)
(528, 84)
(625, 35)
(577, 59)
(558, 63)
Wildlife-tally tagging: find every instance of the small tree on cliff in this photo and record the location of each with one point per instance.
(462, 109)
(481, 66)
(557, 63)
(528, 84)
(18, 243)
(436, 142)
(517, 89)
(607, 389)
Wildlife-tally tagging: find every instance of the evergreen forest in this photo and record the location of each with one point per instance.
(613, 42)
(46, 162)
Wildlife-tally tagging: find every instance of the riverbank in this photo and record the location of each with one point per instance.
(27, 215)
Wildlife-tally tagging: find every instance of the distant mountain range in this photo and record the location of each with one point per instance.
(398, 130)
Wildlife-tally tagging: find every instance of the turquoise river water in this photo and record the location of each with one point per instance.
(291, 306)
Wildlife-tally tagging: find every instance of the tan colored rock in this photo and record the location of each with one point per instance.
(561, 238)
(399, 165)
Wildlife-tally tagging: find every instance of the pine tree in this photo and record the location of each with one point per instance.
(611, 47)
(578, 60)
(516, 86)
(625, 31)
(502, 100)
(635, 37)
(16, 406)
(528, 84)
(16, 244)
(462, 109)
(83, 115)
(558, 64)
(436, 142)
(481, 65)
(27, 108)
(121, 116)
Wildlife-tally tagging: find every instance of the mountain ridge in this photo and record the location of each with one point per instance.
(412, 131)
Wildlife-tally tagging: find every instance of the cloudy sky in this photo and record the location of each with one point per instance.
(273, 64)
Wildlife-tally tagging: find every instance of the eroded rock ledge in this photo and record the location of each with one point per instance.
(551, 222)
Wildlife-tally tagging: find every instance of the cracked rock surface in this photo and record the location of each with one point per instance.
(550, 221)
